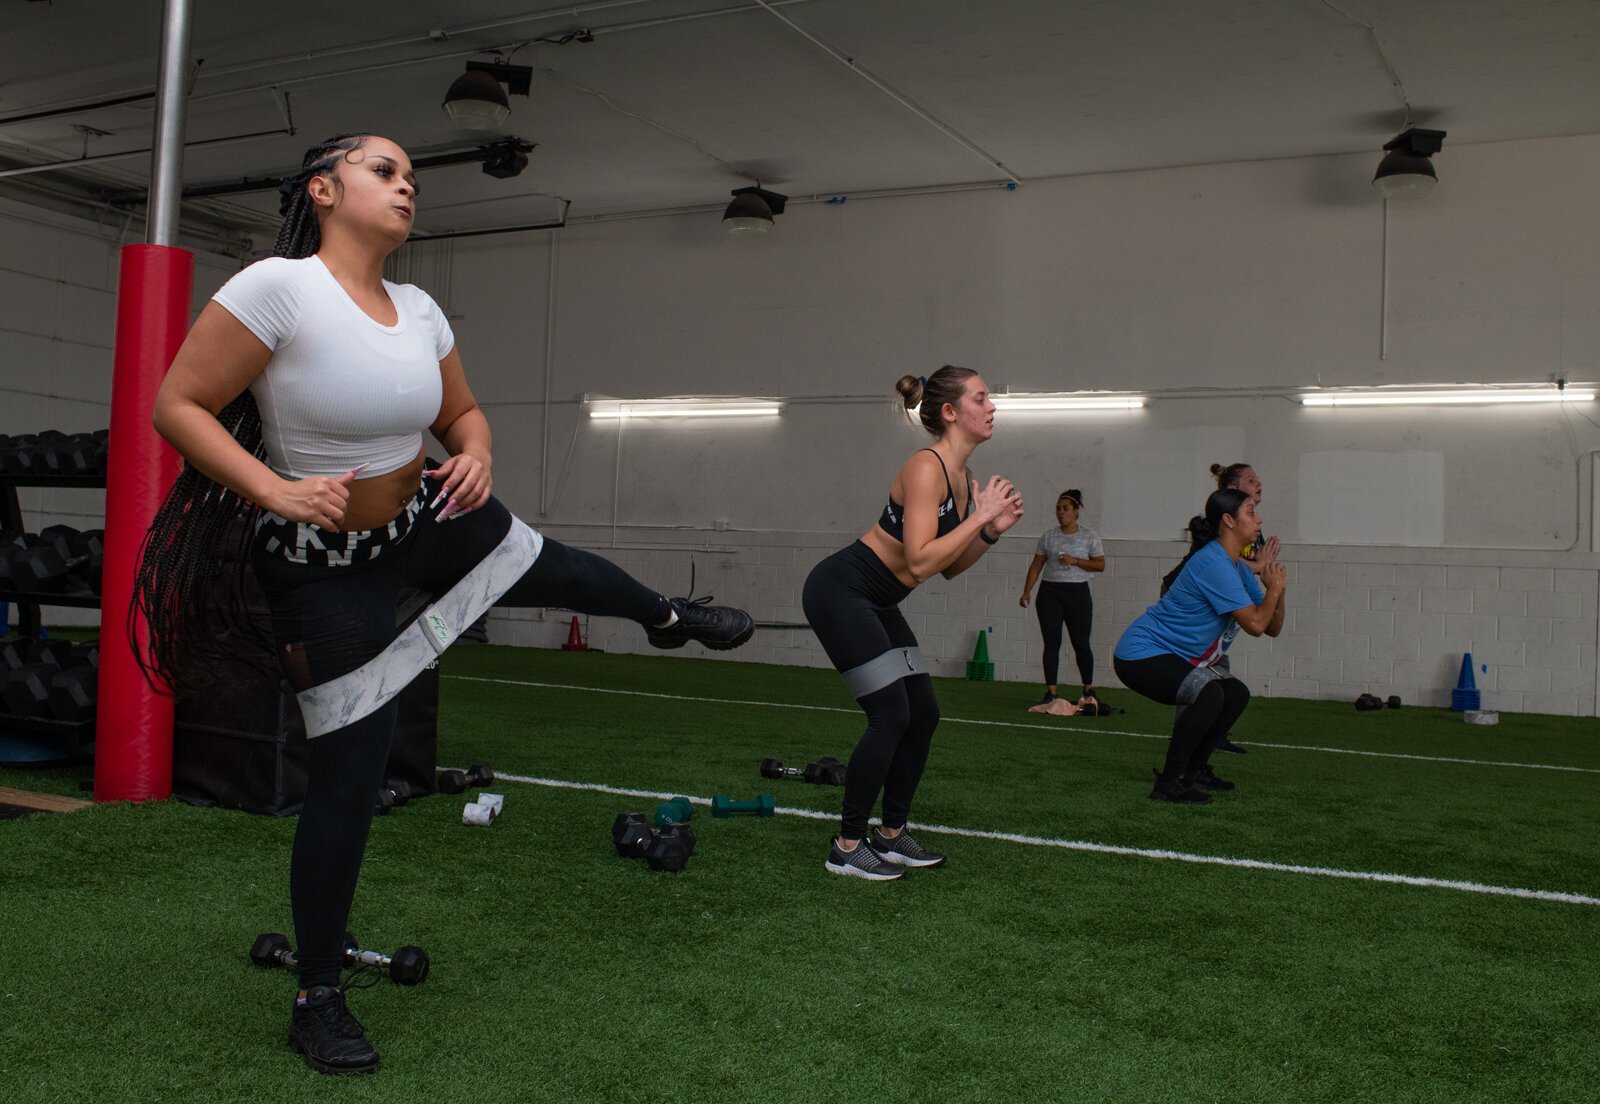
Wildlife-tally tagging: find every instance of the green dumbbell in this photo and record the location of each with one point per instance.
(676, 811)
(723, 806)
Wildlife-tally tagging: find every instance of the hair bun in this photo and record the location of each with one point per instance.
(910, 388)
(1217, 469)
(1074, 494)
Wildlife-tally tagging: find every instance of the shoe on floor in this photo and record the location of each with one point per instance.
(719, 628)
(1230, 747)
(1174, 788)
(902, 850)
(1206, 779)
(863, 862)
(1047, 699)
(327, 1036)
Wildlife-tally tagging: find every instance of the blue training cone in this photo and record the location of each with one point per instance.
(1465, 696)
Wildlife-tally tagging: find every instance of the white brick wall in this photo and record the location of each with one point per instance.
(1388, 621)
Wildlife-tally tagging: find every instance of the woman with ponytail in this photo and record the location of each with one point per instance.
(1066, 556)
(1171, 651)
(852, 601)
(299, 401)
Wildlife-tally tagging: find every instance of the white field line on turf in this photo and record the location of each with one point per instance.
(1096, 730)
(1114, 849)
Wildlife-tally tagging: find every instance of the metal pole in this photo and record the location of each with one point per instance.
(166, 166)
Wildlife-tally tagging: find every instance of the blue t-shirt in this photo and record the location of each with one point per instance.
(1193, 620)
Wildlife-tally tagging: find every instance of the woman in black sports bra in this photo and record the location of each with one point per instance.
(852, 601)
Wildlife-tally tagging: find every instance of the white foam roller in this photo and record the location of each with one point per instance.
(496, 801)
(478, 816)
(1481, 716)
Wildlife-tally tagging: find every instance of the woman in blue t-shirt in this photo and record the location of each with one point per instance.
(1169, 654)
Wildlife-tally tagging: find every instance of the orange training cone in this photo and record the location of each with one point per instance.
(574, 639)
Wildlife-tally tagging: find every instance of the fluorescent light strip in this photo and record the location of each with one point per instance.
(1448, 398)
(666, 408)
(1030, 403)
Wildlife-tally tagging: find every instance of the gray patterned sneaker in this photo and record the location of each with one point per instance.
(863, 862)
(902, 850)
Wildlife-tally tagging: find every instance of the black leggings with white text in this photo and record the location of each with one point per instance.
(329, 620)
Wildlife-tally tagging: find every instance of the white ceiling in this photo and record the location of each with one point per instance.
(676, 102)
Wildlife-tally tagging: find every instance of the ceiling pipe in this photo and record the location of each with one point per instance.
(28, 170)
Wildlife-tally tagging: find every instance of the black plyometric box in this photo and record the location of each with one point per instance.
(245, 747)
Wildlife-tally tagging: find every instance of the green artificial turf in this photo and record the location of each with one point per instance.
(1017, 972)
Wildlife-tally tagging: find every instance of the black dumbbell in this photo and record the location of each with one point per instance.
(1367, 702)
(407, 966)
(17, 652)
(80, 454)
(1394, 701)
(44, 567)
(826, 771)
(74, 693)
(394, 793)
(27, 690)
(669, 849)
(454, 781)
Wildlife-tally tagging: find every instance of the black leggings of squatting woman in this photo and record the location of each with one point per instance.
(1070, 604)
(329, 620)
(1199, 726)
(852, 602)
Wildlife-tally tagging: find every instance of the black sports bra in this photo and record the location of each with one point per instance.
(893, 520)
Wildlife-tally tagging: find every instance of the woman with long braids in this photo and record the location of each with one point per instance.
(299, 401)
(852, 601)
(1170, 652)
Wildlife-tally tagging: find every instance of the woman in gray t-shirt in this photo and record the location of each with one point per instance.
(1066, 556)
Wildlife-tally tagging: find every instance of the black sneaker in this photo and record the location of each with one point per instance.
(719, 628)
(1231, 748)
(1206, 779)
(329, 1038)
(1047, 699)
(902, 850)
(863, 862)
(1175, 789)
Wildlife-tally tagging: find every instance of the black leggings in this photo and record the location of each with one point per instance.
(330, 620)
(852, 602)
(1198, 727)
(1070, 604)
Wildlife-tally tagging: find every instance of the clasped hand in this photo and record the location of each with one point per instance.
(999, 504)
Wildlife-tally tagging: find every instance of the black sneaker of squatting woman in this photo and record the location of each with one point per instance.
(329, 1038)
(719, 628)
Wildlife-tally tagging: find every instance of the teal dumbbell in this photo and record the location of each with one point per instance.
(676, 811)
(723, 806)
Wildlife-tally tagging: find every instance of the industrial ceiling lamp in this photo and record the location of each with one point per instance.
(476, 102)
(752, 210)
(1406, 171)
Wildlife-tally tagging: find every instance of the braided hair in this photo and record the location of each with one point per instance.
(1203, 529)
(189, 586)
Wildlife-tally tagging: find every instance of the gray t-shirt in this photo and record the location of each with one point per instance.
(1084, 544)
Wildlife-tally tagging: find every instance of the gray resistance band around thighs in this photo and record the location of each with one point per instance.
(890, 667)
(360, 693)
(1196, 681)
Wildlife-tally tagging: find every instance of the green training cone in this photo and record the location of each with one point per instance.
(980, 669)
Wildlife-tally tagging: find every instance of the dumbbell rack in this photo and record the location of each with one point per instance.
(41, 739)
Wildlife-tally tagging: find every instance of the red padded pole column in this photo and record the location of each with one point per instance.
(133, 723)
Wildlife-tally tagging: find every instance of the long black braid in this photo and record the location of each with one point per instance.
(189, 588)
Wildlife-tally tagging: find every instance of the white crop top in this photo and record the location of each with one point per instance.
(340, 390)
